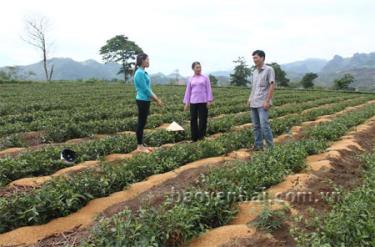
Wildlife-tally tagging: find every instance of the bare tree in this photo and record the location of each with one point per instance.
(36, 29)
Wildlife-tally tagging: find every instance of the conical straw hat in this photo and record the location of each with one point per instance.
(174, 127)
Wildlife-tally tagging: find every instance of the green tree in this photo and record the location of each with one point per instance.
(241, 74)
(344, 82)
(120, 49)
(280, 75)
(4, 76)
(307, 80)
(213, 79)
(12, 73)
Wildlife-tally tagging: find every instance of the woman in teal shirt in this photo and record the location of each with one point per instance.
(142, 84)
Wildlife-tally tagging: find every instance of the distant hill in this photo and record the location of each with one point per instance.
(305, 66)
(68, 69)
(222, 73)
(161, 78)
(360, 65)
(296, 70)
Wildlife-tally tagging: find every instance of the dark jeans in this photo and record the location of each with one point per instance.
(143, 111)
(199, 112)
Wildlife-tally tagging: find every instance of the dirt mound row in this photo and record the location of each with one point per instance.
(338, 164)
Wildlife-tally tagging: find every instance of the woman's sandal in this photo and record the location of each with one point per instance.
(143, 150)
(151, 149)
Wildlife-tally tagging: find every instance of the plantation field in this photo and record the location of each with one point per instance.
(113, 196)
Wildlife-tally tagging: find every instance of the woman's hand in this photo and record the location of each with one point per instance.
(186, 107)
(159, 102)
(209, 103)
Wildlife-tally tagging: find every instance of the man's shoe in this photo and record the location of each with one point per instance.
(255, 148)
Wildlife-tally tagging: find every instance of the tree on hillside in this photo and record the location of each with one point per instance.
(280, 75)
(4, 76)
(36, 35)
(177, 73)
(213, 79)
(344, 82)
(11, 73)
(241, 74)
(120, 49)
(307, 80)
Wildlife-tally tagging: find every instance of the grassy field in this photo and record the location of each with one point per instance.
(97, 120)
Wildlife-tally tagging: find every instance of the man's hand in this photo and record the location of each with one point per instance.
(248, 103)
(266, 105)
(186, 107)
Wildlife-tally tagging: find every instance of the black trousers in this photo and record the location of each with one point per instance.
(198, 120)
(143, 111)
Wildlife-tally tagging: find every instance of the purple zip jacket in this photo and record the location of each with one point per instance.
(198, 90)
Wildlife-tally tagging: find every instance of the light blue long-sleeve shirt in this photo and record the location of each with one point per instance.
(142, 84)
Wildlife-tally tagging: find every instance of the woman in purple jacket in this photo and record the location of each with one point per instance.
(198, 96)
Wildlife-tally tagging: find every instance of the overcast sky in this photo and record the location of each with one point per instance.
(177, 32)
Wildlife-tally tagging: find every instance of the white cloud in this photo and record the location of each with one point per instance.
(174, 33)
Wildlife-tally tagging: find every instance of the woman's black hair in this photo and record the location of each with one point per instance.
(138, 62)
(194, 64)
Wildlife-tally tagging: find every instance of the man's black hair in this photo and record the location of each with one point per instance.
(259, 53)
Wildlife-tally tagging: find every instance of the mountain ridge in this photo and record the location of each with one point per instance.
(361, 65)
